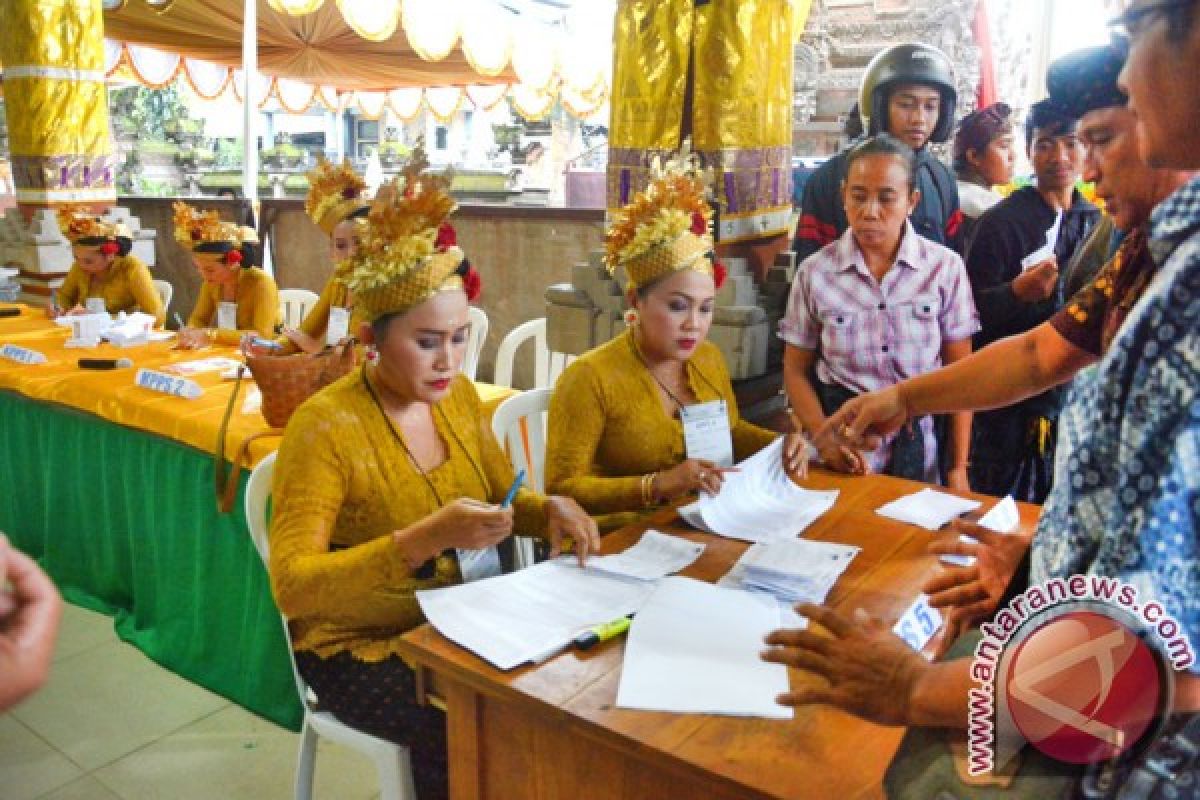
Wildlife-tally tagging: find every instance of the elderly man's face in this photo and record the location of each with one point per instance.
(1162, 79)
(1114, 163)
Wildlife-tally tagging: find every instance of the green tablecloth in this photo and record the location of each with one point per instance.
(126, 524)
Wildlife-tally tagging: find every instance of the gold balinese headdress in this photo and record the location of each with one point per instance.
(194, 228)
(408, 251)
(334, 193)
(666, 227)
(78, 223)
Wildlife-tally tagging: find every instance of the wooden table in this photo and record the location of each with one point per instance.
(553, 731)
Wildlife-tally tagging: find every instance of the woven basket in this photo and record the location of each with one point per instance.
(287, 381)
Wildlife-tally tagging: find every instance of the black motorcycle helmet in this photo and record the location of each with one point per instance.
(907, 63)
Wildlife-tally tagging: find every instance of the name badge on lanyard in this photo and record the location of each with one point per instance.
(95, 305)
(227, 316)
(706, 432)
(339, 325)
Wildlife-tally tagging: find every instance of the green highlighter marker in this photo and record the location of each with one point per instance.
(601, 633)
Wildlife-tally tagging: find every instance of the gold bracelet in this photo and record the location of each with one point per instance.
(648, 489)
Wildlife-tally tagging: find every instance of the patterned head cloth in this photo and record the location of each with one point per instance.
(667, 227)
(1086, 80)
(335, 194)
(979, 128)
(409, 251)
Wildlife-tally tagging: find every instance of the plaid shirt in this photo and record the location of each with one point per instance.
(869, 335)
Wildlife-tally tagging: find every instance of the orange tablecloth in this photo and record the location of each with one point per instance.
(112, 394)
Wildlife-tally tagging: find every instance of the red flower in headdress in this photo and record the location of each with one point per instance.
(446, 237)
(473, 284)
(233, 257)
(719, 274)
(349, 193)
(110, 248)
(699, 224)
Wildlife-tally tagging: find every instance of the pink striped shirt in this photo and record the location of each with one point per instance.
(870, 334)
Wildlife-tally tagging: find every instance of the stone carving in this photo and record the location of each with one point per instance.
(39, 249)
(843, 35)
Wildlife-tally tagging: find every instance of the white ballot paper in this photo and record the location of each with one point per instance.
(202, 365)
(128, 330)
(759, 502)
(793, 570)
(656, 555)
(706, 432)
(928, 508)
(1047, 249)
(693, 648)
(1001, 518)
(530, 614)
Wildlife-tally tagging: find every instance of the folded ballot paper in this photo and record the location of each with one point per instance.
(793, 570)
(759, 502)
(928, 508)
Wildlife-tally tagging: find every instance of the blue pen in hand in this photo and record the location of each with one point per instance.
(512, 491)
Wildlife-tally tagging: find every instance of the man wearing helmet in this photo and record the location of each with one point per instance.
(908, 91)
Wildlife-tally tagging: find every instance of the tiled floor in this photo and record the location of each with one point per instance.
(113, 725)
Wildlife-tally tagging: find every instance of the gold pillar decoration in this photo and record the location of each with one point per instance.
(56, 102)
(721, 72)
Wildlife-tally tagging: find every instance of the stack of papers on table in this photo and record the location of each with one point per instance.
(99, 320)
(531, 614)
(759, 502)
(130, 329)
(928, 508)
(201, 365)
(795, 570)
(655, 556)
(694, 648)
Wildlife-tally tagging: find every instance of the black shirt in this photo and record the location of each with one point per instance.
(1007, 232)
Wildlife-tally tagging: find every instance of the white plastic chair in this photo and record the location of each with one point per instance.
(392, 760)
(165, 291)
(479, 332)
(519, 424)
(547, 365)
(294, 305)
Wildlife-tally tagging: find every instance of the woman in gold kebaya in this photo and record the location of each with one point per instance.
(104, 269)
(335, 200)
(236, 300)
(385, 473)
(616, 435)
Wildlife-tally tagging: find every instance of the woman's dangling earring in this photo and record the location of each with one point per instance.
(631, 317)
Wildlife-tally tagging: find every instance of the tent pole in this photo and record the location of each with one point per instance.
(249, 107)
